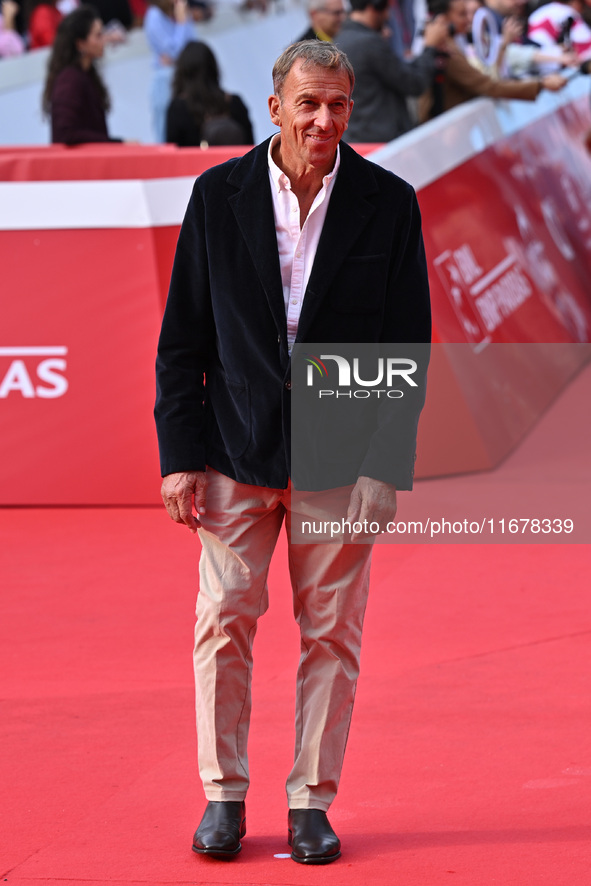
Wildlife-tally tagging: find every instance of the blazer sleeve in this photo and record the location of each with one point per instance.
(407, 322)
(473, 82)
(186, 341)
(405, 78)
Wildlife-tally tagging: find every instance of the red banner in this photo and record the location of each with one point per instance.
(88, 238)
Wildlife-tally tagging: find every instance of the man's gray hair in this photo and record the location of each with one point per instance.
(311, 53)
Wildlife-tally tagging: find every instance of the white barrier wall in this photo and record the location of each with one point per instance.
(87, 237)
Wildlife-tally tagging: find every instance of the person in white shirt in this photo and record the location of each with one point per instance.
(300, 240)
(562, 25)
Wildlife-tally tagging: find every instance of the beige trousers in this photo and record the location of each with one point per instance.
(330, 584)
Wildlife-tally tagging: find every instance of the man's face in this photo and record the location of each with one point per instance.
(312, 114)
(330, 18)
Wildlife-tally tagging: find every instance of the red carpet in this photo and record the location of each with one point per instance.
(469, 760)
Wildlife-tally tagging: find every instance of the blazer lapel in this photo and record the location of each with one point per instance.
(348, 213)
(252, 205)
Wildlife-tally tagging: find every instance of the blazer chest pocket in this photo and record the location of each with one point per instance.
(360, 284)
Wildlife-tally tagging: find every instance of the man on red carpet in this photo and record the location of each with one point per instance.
(299, 240)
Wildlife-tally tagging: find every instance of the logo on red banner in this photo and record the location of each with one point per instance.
(33, 372)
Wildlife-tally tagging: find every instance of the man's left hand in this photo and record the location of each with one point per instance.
(373, 501)
(179, 491)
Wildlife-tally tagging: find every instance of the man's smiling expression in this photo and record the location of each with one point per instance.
(313, 113)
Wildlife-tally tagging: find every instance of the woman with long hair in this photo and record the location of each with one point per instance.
(200, 110)
(75, 96)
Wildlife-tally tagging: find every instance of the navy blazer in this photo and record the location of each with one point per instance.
(223, 368)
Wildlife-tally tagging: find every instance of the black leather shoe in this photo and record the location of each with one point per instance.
(311, 837)
(222, 826)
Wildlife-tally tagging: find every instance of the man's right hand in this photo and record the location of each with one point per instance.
(178, 491)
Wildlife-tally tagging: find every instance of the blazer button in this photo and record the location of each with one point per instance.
(288, 386)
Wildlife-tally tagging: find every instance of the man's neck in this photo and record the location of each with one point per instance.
(303, 179)
(305, 182)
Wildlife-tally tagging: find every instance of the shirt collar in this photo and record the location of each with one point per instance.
(279, 178)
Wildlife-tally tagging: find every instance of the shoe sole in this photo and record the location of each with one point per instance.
(220, 854)
(321, 859)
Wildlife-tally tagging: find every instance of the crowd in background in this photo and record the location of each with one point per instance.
(411, 62)
(33, 24)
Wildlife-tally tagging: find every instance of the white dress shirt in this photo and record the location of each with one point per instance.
(297, 246)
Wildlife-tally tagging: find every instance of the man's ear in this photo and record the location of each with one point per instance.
(274, 106)
(351, 103)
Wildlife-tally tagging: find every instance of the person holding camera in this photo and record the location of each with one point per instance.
(383, 79)
(462, 81)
